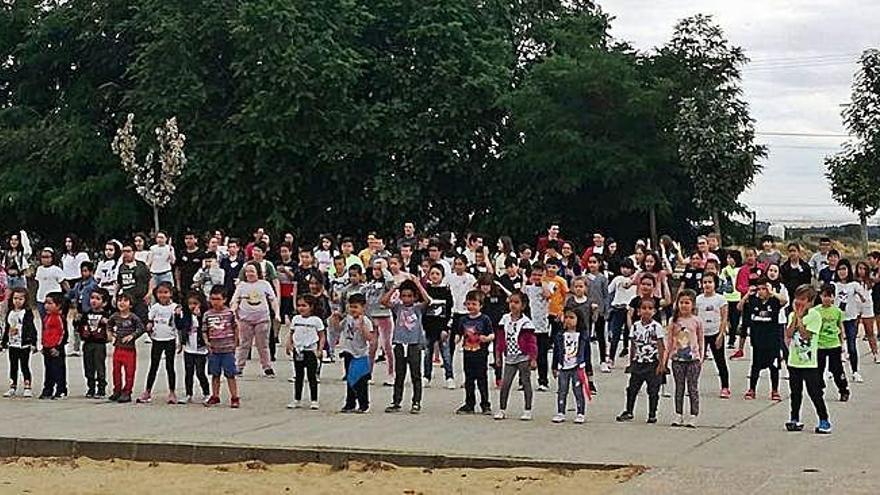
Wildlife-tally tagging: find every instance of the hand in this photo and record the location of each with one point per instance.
(533, 364)
(661, 369)
(288, 349)
(719, 341)
(277, 317)
(127, 339)
(444, 335)
(53, 352)
(320, 354)
(178, 311)
(555, 373)
(147, 299)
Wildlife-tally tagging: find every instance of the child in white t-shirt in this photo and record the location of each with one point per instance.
(305, 344)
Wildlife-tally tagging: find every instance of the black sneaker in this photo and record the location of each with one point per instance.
(623, 352)
(380, 359)
(114, 397)
(624, 416)
(100, 394)
(486, 411)
(794, 425)
(44, 397)
(362, 411)
(393, 408)
(416, 408)
(347, 410)
(844, 396)
(463, 410)
(123, 398)
(651, 420)
(269, 373)
(90, 394)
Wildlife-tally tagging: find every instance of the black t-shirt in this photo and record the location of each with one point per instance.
(826, 275)
(762, 319)
(875, 290)
(691, 279)
(231, 267)
(511, 284)
(494, 306)
(438, 312)
(795, 276)
(637, 301)
(187, 264)
(477, 270)
(302, 277)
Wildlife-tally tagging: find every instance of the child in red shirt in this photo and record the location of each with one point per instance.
(54, 338)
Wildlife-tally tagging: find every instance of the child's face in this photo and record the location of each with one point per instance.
(646, 311)
(473, 307)
(46, 258)
(285, 253)
(161, 239)
(347, 248)
(354, 276)
(123, 304)
(459, 266)
(646, 286)
(712, 268)
(763, 291)
(194, 305)
(843, 272)
(217, 301)
(512, 271)
(650, 262)
(833, 259)
(50, 306)
(250, 273)
(773, 272)
(570, 321)
(708, 285)
(315, 287)
(305, 258)
(731, 261)
(356, 310)
(325, 244)
(515, 304)
(163, 295)
(536, 276)
(407, 297)
(593, 265)
(394, 265)
(685, 305)
(96, 301)
(109, 251)
(751, 257)
(303, 308)
(526, 254)
(85, 273)
(18, 300)
(579, 288)
(827, 299)
(626, 271)
(485, 288)
(802, 302)
(339, 265)
(435, 276)
(552, 270)
(233, 250)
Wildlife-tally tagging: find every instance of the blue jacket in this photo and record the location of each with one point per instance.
(81, 293)
(559, 350)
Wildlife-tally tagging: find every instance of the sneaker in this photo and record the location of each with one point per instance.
(380, 358)
(500, 415)
(725, 393)
(60, 395)
(579, 419)
(857, 377)
(186, 400)
(731, 346)
(624, 416)
(291, 380)
(526, 415)
(9, 393)
(824, 427)
(774, 396)
(651, 420)
(604, 367)
(269, 373)
(664, 391)
(144, 398)
(416, 408)
(737, 354)
(691, 421)
(100, 394)
(844, 396)
(294, 404)
(74, 354)
(124, 398)
(347, 410)
(794, 425)
(486, 411)
(450, 384)
(543, 388)
(623, 353)
(749, 395)
(314, 406)
(386, 383)
(465, 409)
(212, 401)
(235, 403)
(558, 418)
(114, 397)
(90, 394)
(393, 408)
(678, 420)
(172, 398)
(28, 393)
(45, 396)
(426, 382)
(876, 358)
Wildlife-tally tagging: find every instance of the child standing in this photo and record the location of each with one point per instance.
(408, 339)
(517, 348)
(804, 328)
(494, 306)
(20, 338)
(831, 339)
(125, 327)
(306, 344)
(160, 327)
(621, 290)
(851, 295)
(191, 342)
(712, 310)
(686, 344)
(598, 295)
(92, 328)
(50, 279)
(221, 338)
(54, 339)
(578, 302)
(558, 288)
(538, 303)
(476, 333)
(761, 316)
(438, 315)
(646, 360)
(569, 363)
(356, 338)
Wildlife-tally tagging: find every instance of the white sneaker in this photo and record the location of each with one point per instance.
(679, 420)
(876, 358)
(665, 391)
(543, 388)
(558, 418)
(526, 415)
(604, 367)
(450, 384)
(691, 421)
(857, 377)
(28, 393)
(314, 405)
(500, 414)
(426, 383)
(579, 419)
(290, 380)
(10, 393)
(293, 405)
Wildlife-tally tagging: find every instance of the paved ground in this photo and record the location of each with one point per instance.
(739, 445)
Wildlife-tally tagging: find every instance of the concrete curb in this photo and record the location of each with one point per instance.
(221, 454)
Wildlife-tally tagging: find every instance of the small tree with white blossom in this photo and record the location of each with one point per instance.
(154, 180)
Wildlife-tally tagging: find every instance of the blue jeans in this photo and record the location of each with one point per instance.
(616, 324)
(444, 354)
(162, 277)
(851, 329)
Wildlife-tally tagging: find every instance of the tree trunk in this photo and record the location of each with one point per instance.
(863, 220)
(716, 220)
(652, 219)
(155, 219)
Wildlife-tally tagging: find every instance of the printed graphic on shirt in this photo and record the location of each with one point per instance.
(570, 348)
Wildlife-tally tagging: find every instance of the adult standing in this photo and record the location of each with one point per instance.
(257, 237)
(795, 271)
(188, 262)
(598, 248)
(133, 278)
(819, 260)
(161, 260)
(16, 260)
(252, 301)
(72, 258)
(409, 236)
(141, 253)
(552, 235)
(769, 255)
(231, 265)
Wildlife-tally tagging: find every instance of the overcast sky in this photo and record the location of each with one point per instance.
(804, 54)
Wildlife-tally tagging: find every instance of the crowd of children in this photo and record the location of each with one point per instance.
(535, 309)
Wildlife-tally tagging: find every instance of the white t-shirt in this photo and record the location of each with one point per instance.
(49, 280)
(70, 265)
(512, 352)
(460, 285)
(709, 312)
(192, 339)
(570, 343)
(162, 318)
(160, 258)
(142, 256)
(15, 322)
(622, 294)
(849, 298)
(105, 274)
(305, 332)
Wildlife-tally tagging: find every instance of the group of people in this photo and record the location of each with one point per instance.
(411, 303)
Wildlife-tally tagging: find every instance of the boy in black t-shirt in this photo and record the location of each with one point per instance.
(476, 332)
(760, 312)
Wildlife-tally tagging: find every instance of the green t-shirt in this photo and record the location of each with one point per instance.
(832, 318)
(804, 353)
